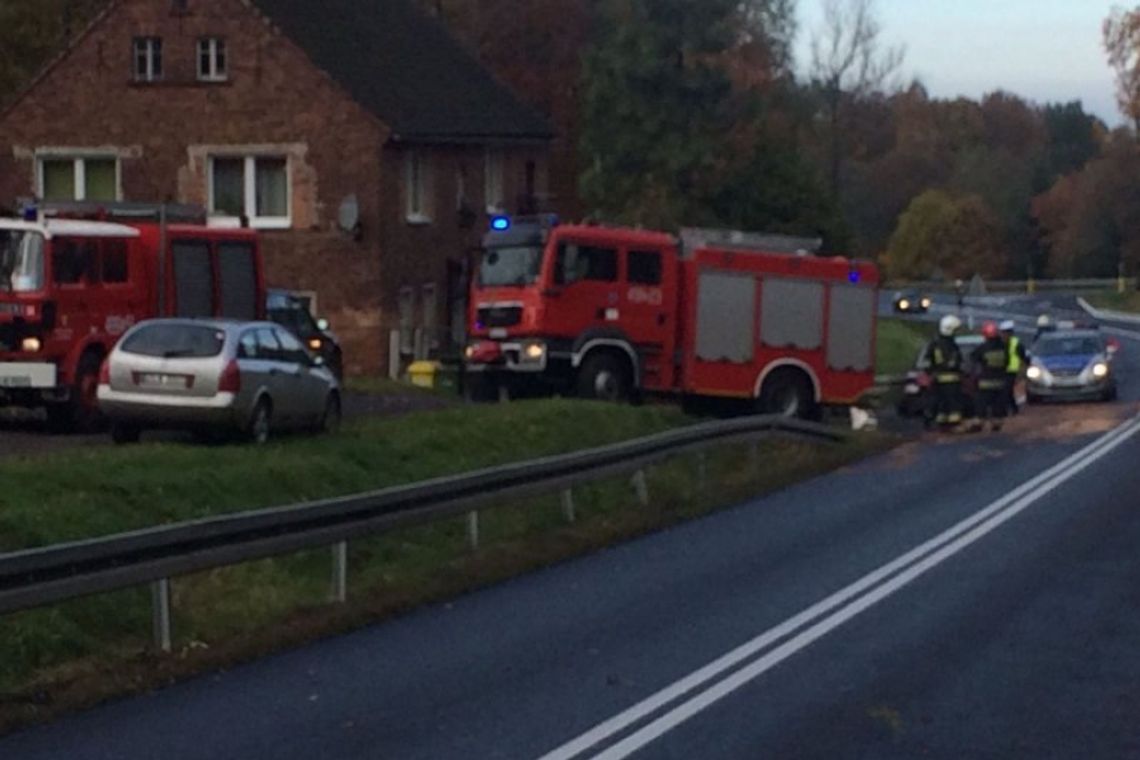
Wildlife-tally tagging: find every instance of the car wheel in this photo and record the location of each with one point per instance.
(604, 377)
(330, 420)
(258, 429)
(123, 434)
(80, 413)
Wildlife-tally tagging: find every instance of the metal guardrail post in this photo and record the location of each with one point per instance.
(160, 613)
(754, 459)
(641, 488)
(702, 473)
(568, 504)
(473, 531)
(340, 572)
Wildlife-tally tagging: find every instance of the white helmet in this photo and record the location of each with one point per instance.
(949, 325)
(1044, 321)
(1007, 326)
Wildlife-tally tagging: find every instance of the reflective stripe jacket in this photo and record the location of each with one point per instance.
(945, 360)
(1017, 355)
(991, 359)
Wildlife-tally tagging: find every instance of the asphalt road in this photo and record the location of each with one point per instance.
(969, 596)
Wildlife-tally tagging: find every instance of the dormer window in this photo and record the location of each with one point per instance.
(148, 59)
(212, 63)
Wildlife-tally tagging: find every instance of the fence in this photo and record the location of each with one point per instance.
(38, 577)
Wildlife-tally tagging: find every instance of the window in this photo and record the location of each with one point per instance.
(73, 261)
(248, 348)
(416, 188)
(267, 345)
(583, 262)
(493, 181)
(114, 262)
(256, 187)
(645, 267)
(69, 178)
(167, 340)
(291, 349)
(212, 60)
(148, 59)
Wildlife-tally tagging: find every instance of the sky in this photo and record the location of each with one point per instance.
(1043, 50)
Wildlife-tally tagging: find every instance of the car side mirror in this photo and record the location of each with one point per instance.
(322, 324)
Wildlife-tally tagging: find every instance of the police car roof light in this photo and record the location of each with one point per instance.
(500, 223)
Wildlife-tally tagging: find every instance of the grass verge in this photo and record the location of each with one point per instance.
(1110, 299)
(79, 653)
(897, 344)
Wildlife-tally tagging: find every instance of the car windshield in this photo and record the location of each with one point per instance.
(175, 341)
(510, 265)
(1068, 345)
(21, 260)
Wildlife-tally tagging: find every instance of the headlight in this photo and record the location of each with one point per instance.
(926, 303)
(315, 344)
(1033, 373)
(534, 352)
(469, 351)
(31, 345)
(1100, 369)
(904, 304)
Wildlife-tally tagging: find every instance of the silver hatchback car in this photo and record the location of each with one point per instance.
(213, 376)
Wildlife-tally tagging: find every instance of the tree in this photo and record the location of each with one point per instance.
(940, 234)
(848, 63)
(1091, 218)
(1121, 32)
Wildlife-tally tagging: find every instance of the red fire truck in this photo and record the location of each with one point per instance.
(74, 277)
(609, 313)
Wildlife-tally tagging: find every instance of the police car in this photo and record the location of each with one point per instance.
(1072, 362)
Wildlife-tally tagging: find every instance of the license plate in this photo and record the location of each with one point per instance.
(16, 381)
(159, 380)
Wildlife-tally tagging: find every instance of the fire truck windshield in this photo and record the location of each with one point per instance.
(510, 265)
(21, 260)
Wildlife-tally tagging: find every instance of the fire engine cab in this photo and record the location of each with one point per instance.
(610, 312)
(75, 277)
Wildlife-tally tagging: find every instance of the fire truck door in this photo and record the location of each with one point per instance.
(74, 274)
(590, 295)
(648, 296)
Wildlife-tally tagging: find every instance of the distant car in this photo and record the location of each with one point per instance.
(215, 376)
(288, 310)
(918, 395)
(911, 302)
(1071, 364)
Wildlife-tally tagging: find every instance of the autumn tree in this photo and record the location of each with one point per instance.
(945, 235)
(1121, 32)
(848, 62)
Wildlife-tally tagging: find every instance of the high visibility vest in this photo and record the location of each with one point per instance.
(1014, 364)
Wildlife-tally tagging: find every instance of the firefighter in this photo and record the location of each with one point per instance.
(991, 360)
(1017, 360)
(946, 370)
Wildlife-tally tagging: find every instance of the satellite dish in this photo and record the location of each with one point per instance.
(349, 216)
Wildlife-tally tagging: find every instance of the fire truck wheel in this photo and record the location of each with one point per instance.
(80, 413)
(604, 377)
(257, 431)
(788, 393)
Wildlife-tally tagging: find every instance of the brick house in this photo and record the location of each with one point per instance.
(364, 142)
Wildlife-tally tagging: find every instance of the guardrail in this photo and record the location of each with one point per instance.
(1019, 286)
(42, 576)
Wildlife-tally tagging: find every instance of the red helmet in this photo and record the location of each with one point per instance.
(990, 330)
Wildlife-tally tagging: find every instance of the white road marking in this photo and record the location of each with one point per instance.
(913, 564)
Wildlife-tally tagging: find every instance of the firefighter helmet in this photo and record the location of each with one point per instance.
(949, 325)
(990, 330)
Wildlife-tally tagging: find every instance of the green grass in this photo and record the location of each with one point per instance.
(1128, 301)
(77, 653)
(898, 343)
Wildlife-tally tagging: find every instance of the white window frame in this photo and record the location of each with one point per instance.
(210, 46)
(145, 46)
(494, 193)
(79, 161)
(417, 188)
(249, 186)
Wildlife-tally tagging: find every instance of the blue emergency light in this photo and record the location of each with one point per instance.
(500, 223)
(30, 213)
(853, 276)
